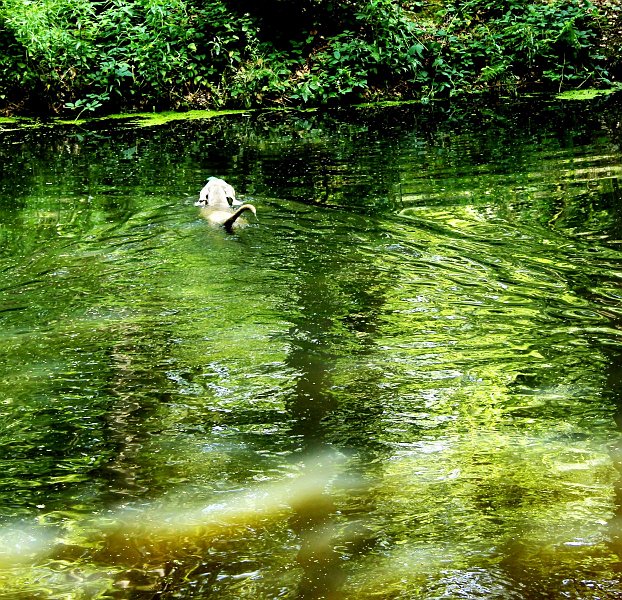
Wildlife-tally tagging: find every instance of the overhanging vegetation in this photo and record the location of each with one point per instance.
(79, 57)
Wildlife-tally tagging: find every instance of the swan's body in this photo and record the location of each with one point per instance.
(227, 217)
(214, 203)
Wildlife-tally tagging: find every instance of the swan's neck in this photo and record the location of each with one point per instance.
(228, 224)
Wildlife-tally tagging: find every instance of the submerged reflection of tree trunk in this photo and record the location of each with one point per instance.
(334, 320)
(315, 524)
(311, 402)
(136, 394)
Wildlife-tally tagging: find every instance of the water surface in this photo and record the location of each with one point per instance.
(401, 381)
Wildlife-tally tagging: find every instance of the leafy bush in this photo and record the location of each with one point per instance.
(81, 55)
(38, 39)
(512, 43)
(380, 49)
(140, 53)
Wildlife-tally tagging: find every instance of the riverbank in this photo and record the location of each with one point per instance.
(156, 119)
(74, 59)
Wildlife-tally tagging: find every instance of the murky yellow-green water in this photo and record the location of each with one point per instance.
(403, 380)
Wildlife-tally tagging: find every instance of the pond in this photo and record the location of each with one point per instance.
(401, 380)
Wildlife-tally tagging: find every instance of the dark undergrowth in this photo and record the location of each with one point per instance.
(101, 56)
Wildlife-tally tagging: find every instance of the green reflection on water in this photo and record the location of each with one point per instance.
(432, 298)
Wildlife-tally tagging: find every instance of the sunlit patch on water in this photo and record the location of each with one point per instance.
(147, 547)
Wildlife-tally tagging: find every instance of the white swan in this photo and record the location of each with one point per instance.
(214, 203)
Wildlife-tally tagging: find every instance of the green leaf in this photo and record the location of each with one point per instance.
(416, 49)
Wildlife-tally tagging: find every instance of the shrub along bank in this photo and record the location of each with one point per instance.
(75, 56)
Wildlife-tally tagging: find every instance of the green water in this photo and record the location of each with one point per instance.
(401, 381)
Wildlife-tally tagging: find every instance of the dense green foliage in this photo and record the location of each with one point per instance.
(90, 55)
